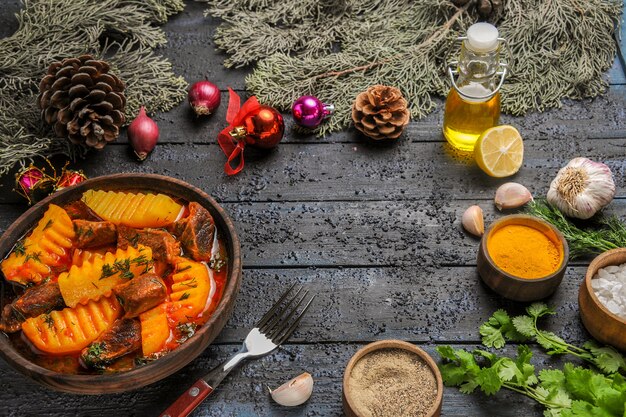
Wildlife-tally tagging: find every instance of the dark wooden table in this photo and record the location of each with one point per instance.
(373, 230)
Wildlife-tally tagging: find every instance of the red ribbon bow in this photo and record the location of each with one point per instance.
(232, 147)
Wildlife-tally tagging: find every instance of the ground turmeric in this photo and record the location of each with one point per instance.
(524, 251)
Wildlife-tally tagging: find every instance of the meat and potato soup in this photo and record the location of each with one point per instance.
(113, 281)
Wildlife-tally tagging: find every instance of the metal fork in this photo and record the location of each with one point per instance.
(270, 332)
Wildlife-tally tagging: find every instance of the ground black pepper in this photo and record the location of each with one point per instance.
(392, 383)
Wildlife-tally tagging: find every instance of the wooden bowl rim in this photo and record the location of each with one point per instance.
(512, 217)
(393, 344)
(591, 271)
(26, 367)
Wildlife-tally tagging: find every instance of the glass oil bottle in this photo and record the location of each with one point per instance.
(473, 103)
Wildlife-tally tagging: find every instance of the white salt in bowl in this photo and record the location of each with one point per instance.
(603, 325)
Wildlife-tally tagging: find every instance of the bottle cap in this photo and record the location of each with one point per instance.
(482, 37)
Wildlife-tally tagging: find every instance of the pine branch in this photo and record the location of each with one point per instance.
(561, 49)
(50, 30)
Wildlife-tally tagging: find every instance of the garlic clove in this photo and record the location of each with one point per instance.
(294, 392)
(582, 188)
(511, 195)
(473, 221)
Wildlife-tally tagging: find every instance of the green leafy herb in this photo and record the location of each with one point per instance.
(501, 328)
(602, 234)
(184, 268)
(20, 248)
(571, 392)
(107, 271)
(498, 329)
(47, 318)
(35, 256)
(184, 296)
(192, 283)
(49, 224)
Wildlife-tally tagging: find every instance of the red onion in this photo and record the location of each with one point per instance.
(204, 97)
(143, 134)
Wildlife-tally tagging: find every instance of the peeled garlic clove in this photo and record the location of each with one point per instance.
(294, 392)
(473, 221)
(582, 188)
(512, 195)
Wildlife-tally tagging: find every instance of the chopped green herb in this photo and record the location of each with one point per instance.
(184, 268)
(107, 271)
(184, 296)
(20, 248)
(47, 318)
(35, 256)
(94, 284)
(49, 224)
(192, 283)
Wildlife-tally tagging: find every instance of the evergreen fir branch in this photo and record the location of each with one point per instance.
(560, 49)
(120, 31)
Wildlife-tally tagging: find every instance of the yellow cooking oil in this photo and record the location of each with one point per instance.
(464, 120)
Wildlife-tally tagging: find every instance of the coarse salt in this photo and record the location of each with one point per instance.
(609, 285)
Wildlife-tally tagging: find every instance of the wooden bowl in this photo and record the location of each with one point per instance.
(603, 325)
(510, 286)
(348, 404)
(170, 363)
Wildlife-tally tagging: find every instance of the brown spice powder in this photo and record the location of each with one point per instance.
(392, 383)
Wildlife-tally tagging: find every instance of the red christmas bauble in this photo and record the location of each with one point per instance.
(33, 184)
(68, 178)
(262, 127)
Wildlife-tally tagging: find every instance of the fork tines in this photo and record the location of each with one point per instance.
(283, 318)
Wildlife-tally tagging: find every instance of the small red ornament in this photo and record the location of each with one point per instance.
(251, 124)
(68, 178)
(33, 184)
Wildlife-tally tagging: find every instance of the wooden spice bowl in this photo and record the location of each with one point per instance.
(510, 286)
(603, 325)
(349, 407)
(173, 361)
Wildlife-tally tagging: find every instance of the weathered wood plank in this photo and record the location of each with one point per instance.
(244, 392)
(425, 304)
(347, 172)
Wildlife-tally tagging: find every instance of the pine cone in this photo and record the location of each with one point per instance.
(490, 10)
(82, 101)
(380, 112)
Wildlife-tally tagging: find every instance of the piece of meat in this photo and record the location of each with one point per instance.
(164, 246)
(122, 338)
(35, 301)
(94, 234)
(196, 232)
(78, 210)
(141, 294)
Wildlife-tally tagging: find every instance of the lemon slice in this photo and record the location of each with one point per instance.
(499, 151)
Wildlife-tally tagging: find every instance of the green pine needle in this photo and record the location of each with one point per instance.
(121, 31)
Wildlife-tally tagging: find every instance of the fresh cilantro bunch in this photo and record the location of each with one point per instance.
(569, 392)
(500, 328)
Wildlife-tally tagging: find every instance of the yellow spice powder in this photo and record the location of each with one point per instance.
(524, 251)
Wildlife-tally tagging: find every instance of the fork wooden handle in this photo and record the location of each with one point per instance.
(189, 400)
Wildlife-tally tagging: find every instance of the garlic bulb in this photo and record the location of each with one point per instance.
(511, 195)
(582, 188)
(294, 392)
(473, 221)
